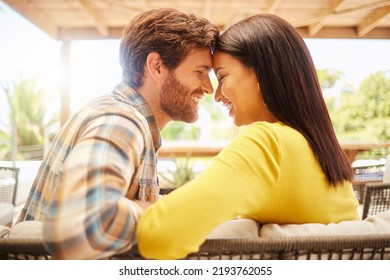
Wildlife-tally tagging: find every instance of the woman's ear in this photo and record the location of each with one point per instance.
(154, 66)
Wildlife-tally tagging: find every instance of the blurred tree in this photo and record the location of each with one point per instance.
(365, 114)
(328, 77)
(28, 110)
(5, 145)
(176, 130)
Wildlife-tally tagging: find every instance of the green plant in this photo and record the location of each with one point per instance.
(28, 111)
(364, 115)
(182, 173)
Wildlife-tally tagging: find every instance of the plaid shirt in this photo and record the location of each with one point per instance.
(102, 159)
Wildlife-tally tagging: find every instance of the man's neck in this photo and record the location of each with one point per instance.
(151, 96)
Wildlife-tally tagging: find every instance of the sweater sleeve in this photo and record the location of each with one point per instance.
(237, 182)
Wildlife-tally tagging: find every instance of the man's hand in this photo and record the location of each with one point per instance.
(142, 204)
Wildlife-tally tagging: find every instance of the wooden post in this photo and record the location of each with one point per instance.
(65, 77)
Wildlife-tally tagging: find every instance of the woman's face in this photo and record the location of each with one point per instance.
(238, 90)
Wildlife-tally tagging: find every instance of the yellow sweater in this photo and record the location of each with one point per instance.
(267, 173)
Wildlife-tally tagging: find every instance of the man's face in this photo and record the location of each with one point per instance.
(186, 85)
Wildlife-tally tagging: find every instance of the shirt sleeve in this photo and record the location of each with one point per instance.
(237, 182)
(88, 215)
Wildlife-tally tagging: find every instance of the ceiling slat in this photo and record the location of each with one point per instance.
(274, 6)
(374, 20)
(207, 9)
(104, 18)
(336, 6)
(98, 24)
(313, 20)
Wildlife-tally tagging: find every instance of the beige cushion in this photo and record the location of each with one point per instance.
(4, 231)
(6, 213)
(239, 228)
(27, 229)
(377, 224)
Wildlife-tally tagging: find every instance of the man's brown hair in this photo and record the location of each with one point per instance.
(169, 32)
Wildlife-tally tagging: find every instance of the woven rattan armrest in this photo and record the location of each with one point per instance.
(292, 248)
(313, 247)
(289, 248)
(376, 199)
(22, 249)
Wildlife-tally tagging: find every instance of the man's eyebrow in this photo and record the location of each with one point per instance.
(206, 67)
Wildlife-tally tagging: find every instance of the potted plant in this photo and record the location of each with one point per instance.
(181, 174)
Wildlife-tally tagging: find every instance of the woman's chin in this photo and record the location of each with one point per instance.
(236, 121)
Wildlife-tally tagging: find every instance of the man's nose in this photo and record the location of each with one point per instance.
(207, 86)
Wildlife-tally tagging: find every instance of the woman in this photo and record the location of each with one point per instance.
(285, 166)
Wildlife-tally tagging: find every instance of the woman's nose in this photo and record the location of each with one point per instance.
(218, 94)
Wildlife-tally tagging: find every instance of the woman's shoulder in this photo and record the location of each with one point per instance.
(268, 128)
(262, 134)
(272, 134)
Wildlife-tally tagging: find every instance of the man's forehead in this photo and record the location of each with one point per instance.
(204, 66)
(200, 58)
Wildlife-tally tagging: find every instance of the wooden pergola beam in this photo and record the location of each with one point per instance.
(34, 16)
(373, 21)
(345, 33)
(91, 33)
(65, 77)
(97, 22)
(273, 7)
(314, 20)
(207, 9)
(143, 5)
(335, 7)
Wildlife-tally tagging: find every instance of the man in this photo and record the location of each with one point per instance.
(100, 171)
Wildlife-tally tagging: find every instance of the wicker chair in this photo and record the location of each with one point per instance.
(364, 175)
(283, 248)
(8, 184)
(23, 249)
(376, 199)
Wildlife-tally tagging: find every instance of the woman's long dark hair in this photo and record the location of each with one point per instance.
(289, 84)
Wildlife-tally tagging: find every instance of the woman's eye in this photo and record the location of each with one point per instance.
(220, 79)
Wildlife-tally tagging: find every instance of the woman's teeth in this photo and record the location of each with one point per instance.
(229, 106)
(196, 99)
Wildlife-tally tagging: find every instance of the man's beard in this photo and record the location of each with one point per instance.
(175, 100)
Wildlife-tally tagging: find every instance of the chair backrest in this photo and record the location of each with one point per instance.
(376, 199)
(367, 172)
(8, 184)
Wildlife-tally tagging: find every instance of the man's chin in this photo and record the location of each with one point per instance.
(187, 119)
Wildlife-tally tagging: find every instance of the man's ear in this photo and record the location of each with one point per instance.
(154, 66)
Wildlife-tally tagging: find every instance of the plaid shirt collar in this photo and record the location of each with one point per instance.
(142, 106)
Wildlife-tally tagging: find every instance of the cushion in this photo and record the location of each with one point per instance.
(239, 228)
(6, 213)
(376, 224)
(4, 231)
(27, 229)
